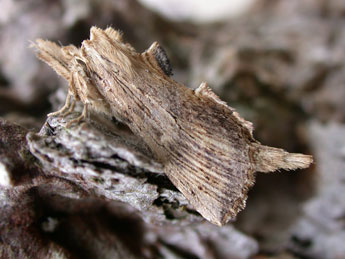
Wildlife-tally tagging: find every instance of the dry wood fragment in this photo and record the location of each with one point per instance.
(207, 149)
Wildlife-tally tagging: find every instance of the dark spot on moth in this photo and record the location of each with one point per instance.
(200, 188)
(193, 193)
(163, 61)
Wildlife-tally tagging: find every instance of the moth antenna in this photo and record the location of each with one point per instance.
(269, 159)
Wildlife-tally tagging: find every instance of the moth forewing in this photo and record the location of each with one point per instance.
(207, 148)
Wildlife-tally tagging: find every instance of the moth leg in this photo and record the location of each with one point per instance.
(69, 103)
(70, 109)
(82, 117)
(73, 90)
(64, 108)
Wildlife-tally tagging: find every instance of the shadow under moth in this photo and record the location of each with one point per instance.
(208, 151)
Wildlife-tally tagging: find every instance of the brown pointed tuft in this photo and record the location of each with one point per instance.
(269, 159)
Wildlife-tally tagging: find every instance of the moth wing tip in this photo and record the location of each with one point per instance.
(220, 219)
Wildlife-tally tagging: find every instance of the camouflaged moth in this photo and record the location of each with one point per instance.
(207, 149)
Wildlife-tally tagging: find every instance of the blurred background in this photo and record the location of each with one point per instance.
(280, 63)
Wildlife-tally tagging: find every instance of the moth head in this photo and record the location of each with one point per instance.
(107, 47)
(114, 37)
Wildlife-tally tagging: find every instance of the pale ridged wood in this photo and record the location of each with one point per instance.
(207, 149)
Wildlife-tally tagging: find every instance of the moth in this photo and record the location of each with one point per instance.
(207, 149)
